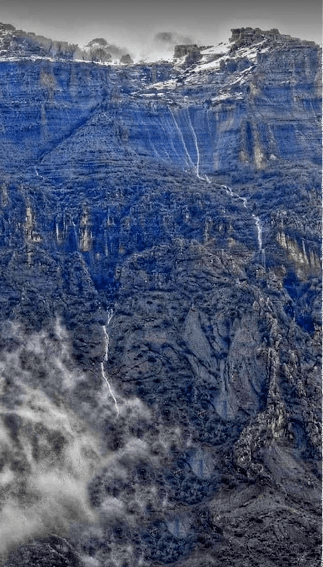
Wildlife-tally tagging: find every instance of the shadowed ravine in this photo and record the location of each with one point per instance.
(160, 312)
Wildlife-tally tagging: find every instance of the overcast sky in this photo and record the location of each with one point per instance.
(133, 23)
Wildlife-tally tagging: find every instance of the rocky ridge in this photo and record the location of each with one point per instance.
(168, 215)
(25, 45)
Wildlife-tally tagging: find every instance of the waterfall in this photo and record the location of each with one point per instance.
(106, 358)
(106, 340)
(182, 138)
(110, 315)
(189, 159)
(166, 152)
(197, 168)
(259, 232)
(235, 195)
(259, 235)
(256, 219)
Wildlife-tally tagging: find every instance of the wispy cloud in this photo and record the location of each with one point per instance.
(114, 50)
(67, 458)
(161, 45)
(173, 38)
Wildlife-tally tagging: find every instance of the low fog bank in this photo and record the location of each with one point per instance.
(73, 452)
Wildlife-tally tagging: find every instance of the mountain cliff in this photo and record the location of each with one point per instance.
(160, 305)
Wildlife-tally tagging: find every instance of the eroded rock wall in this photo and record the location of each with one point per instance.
(169, 218)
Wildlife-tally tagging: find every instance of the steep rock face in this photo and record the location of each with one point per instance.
(169, 218)
(253, 101)
(44, 102)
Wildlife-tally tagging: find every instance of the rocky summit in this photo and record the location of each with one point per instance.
(160, 249)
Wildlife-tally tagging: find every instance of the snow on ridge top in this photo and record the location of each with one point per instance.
(219, 49)
(205, 64)
(210, 63)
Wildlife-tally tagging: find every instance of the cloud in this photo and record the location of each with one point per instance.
(70, 463)
(160, 46)
(173, 38)
(48, 457)
(48, 452)
(66, 458)
(99, 43)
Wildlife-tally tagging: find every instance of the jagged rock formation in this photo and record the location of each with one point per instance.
(18, 43)
(25, 45)
(186, 199)
(190, 53)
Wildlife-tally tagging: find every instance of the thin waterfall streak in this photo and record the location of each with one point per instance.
(106, 358)
(182, 138)
(110, 315)
(107, 340)
(166, 152)
(110, 389)
(197, 167)
(256, 219)
(170, 138)
(232, 194)
(259, 232)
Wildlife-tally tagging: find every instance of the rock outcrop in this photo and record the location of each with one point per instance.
(169, 218)
(190, 53)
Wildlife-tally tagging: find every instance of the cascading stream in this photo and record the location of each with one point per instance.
(235, 195)
(197, 167)
(182, 139)
(190, 161)
(205, 178)
(106, 358)
(256, 219)
(259, 231)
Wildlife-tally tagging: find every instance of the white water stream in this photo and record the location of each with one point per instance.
(182, 138)
(259, 232)
(197, 167)
(225, 187)
(106, 358)
(190, 161)
(256, 219)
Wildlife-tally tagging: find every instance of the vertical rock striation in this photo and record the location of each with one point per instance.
(185, 197)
